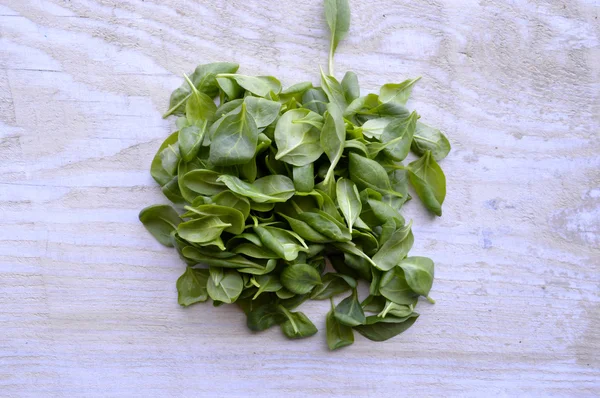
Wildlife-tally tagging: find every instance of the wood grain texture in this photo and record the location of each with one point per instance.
(87, 297)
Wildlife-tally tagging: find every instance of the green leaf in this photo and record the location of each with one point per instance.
(349, 312)
(263, 111)
(161, 221)
(190, 139)
(418, 272)
(202, 230)
(172, 192)
(300, 278)
(257, 85)
(295, 92)
(230, 88)
(396, 310)
(394, 249)
(199, 107)
(158, 172)
(234, 141)
(254, 251)
(169, 159)
(191, 286)
(373, 128)
(326, 225)
(334, 91)
(380, 329)
(397, 93)
(429, 182)
(264, 316)
(266, 283)
(315, 100)
(229, 199)
(337, 14)
(226, 214)
(367, 173)
(297, 143)
(427, 138)
(350, 86)
(200, 182)
(304, 178)
(333, 137)
(338, 334)
(269, 189)
(204, 79)
(398, 135)
(281, 242)
(349, 201)
(224, 285)
(305, 231)
(297, 325)
(332, 285)
(394, 287)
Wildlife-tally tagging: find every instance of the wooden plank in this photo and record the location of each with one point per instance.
(87, 298)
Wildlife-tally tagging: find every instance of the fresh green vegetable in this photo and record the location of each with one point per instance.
(273, 187)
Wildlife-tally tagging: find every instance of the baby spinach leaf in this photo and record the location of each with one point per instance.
(264, 316)
(224, 285)
(332, 285)
(428, 138)
(397, 93)
(373, 128)
(326, 225)
(305, 230)
(280, 241)
(304, 179)
(395, 310)
(338, 334)
(295, 92)
(161, 221)
(349, 312)
(398, 135)
(367, 173)
(172, 192)
(266, 283)
(429, 182)
(350, 86)
(394, 287)
(269, 189)
(201, 182)
(229, 199)
(337, 14)
(394, 249)
(158, 172)
(315, 100)
(257, 85)
(263, 111)
(297, 325)
(349, 201)
(169, 159)
(334, 91)
(199, 107)
(297, 143)
(230, 88)
(191, 286)
(380, 329)
(234, 141)
(254, 251)
(226, 214)
(204, 79)
(418, 272)
(300, 278)
(332, 139)
(190, 139)
(202, 230)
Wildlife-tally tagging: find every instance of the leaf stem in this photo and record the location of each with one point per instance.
(331, 56)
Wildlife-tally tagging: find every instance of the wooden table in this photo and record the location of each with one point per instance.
(87, 297)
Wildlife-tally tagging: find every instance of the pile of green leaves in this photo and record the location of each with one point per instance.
(284, 195)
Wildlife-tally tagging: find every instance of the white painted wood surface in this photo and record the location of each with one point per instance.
(87, 297)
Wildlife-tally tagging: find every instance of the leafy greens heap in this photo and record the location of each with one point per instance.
(272, 185)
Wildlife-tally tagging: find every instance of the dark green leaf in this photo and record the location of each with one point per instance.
(161, 221)
(297, 325)
(191, 286)
(394, 249)
(269, 189)
(349, 312)
(265, 316)
(377, 329)
(300, 278)
(234, 141)
(332, 284)
(224, 285)
(338, 334)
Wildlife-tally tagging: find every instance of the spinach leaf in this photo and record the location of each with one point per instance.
(227, 214)
(367, 173)
(202, 230)
(304, 179)
(264, 316)
(418, 272)
(269, 189)
(380, 329)
(337, 14)
(394, 287)
(349, 201)
(300, 278)
(350, 86)
(315, 100)
(331, 285)
(266, 283)
(297, 325)
(229, 199)
(161, 221)
(428, 138)
(257, 85)
(280, 241)
(332, 139)
(201, 182)
(191, 286)
(429, 182)
(338, 334)
(334, 91)
(397, 93)
(398, 135)
(349, 312)
(158, 172)
(263, 111)
(224, 285)
(234, 141)
(297, 143)
(394, 249)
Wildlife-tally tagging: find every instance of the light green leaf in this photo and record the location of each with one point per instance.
(429, 182)
(349, 201)
(234, 141)
(161, 221)
(191, 286)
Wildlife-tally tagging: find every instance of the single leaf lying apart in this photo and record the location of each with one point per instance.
(284, 195)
